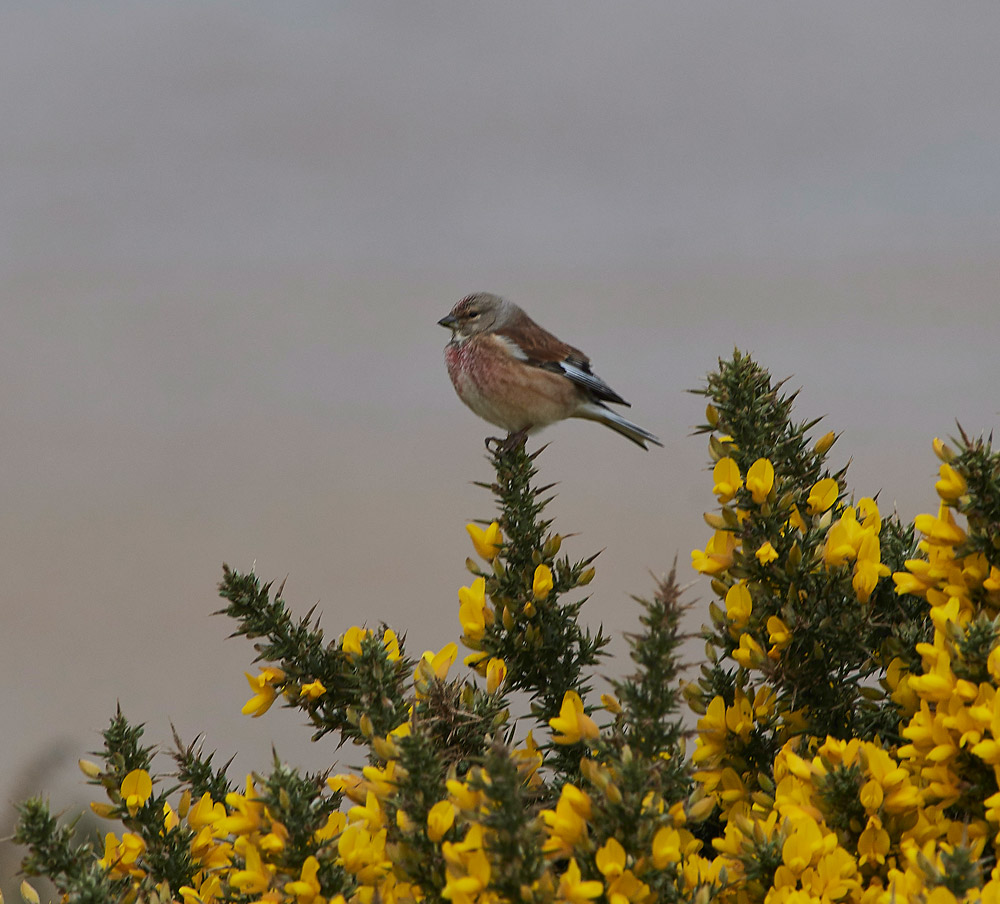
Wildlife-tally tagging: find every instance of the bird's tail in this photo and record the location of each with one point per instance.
(595, 411)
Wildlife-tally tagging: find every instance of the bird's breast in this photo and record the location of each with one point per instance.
(463, 368)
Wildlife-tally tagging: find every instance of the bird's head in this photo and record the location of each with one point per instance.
(479, 313)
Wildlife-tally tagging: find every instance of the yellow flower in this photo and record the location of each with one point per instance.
(264, 691)
(712, 731)
(313, 690)
(823, 495)
(749, 653)
(207, 892)
(871, 795)
(803, 843)
(245, 812)
(440, 818)
(487, 542)
(391, 643)
(362, 852)
(255, 877)
(541, 584)
(335, 823)
(572, 723)
(477, 661)
(738, 604)
(136, 789)
(627, 889)
(205, 813)
(528, 760)
(370, 812)
(666, 847)
(110, 859)
(463, 796)
(351, 643)
(347, 783)
(610, 859)
(952, 485)
(576, 891)
(766, 553)
(942, 529)
(760, 480)
(796, 520)
(868, 512)
(728, 481)
(843, 539)
(874, 843)
(307, 886)
(496, 674)
(717, 555)
(869, 567)
(472, 610)
(468, 868)
(778, 632)
(441, 661)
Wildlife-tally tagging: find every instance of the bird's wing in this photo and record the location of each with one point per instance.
(581, 374)
(540, 348)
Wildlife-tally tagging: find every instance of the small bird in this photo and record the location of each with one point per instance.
(515, 374)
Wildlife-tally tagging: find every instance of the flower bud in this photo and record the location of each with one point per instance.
(386, 748)
(698, 810)
(714, 520)
(824, 443)
(89, 769)
(693, 696)
(942, 451)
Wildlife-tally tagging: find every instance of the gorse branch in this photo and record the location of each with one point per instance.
(847, 745)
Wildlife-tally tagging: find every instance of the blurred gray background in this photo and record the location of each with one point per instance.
(228, 230)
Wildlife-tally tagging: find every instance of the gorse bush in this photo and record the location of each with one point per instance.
(848, 722)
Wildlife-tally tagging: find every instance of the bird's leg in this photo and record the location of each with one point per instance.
(497, 446)
(514, 440)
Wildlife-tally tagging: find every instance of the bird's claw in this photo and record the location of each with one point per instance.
(498, 446)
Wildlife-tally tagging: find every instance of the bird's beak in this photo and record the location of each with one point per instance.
(449, 322)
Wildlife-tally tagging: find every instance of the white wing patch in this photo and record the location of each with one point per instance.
(590, 381)
(511, 346)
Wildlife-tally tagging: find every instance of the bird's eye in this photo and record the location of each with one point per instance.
(472, 315)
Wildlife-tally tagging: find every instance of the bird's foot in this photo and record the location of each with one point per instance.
(499, 446)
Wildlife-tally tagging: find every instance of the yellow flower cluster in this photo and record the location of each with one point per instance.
(772, 809)
(459, 827)
(828, 820)
(235, 845)
(852, 540)
(271, 681)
